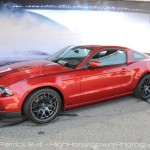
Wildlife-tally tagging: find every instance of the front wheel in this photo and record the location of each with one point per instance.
(42, 106)
(142, 90)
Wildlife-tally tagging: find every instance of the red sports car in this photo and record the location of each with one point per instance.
(73, 77)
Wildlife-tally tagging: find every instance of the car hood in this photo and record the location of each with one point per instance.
(12, 73)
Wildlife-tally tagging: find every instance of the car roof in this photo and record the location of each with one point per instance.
(95, 47)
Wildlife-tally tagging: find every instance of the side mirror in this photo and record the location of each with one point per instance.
(94, 64)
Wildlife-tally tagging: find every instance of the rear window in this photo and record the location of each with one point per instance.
(137, 56)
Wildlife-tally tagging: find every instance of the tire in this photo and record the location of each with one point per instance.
(42, 106)
(142, 90)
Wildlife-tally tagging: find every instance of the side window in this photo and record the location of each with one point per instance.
(137, 56)
(111, 57)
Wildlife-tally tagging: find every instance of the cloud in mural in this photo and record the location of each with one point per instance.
(105, 27)
(32, 34)
(26, 35)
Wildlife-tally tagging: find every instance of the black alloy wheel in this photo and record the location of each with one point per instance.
(42, 106)
(142, 90)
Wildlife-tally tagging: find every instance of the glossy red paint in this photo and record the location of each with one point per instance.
(78, 87)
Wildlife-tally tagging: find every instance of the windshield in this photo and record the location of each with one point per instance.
(70, 56)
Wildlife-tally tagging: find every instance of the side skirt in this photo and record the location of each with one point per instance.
(96, 101)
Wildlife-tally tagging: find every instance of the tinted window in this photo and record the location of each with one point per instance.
(111, 57)
(137, 56)
(70, 56)
(78, 52)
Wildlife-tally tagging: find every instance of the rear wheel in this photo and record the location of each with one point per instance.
(42, 106)
(142, 90)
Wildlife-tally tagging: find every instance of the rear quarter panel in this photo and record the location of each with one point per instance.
(138, 70)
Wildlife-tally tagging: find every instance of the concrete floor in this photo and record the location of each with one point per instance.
(119, 124)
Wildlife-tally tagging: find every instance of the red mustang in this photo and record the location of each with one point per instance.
(73, 77)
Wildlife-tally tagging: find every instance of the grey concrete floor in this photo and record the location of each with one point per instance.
(119, 124)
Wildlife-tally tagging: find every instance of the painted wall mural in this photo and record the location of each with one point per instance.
(37, 33)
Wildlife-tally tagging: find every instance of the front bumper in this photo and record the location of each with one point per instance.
(10, 115)
(9, 107)
(10, 104)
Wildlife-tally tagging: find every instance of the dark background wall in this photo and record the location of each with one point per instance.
(113, 5)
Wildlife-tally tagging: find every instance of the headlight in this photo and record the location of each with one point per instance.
(5, 91)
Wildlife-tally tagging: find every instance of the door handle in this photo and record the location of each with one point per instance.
(123, 71)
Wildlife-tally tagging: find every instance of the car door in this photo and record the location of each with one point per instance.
(112, 78)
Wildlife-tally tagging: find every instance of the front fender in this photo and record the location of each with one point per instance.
(23, 88)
